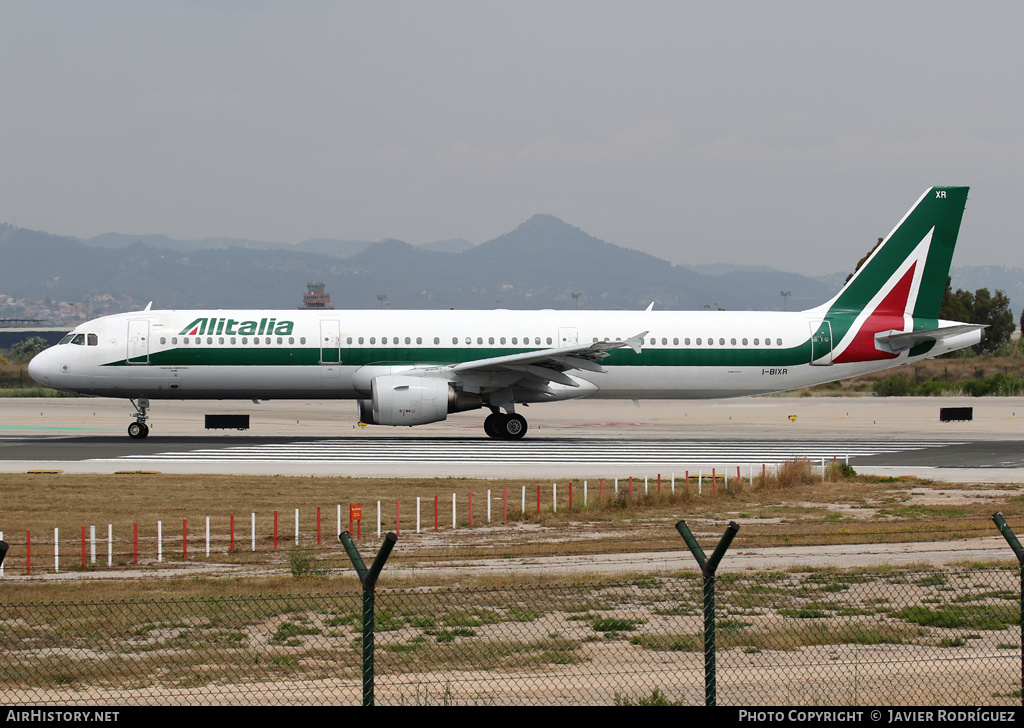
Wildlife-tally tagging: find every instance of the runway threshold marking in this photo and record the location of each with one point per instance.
(733, 452)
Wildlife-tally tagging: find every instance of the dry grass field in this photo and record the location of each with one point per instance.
(795, 507)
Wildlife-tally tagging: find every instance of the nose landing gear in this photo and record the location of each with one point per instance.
(138, 430)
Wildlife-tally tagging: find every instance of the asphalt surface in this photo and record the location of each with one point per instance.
(602, 439)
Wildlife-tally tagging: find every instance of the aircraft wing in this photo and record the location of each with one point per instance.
(550, 364)
(896, 341)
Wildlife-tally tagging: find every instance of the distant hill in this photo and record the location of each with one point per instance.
(539, 264)
(326, 246)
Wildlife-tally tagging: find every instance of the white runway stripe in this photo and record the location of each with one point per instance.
(402, 450)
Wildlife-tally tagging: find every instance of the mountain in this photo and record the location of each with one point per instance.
(542, 263)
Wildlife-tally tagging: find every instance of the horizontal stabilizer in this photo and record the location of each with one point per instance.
(895, 342)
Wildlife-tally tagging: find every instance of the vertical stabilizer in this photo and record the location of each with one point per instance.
(900, 286)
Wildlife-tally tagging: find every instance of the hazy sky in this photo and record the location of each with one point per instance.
(771, 133)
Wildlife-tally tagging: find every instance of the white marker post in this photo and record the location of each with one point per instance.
(56, 550)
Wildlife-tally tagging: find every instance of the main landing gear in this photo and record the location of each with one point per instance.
(505, 427)
(138, 430)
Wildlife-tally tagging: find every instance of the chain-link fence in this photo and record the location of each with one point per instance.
(887, 636)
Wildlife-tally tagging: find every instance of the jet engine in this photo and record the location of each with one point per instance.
(403, 401)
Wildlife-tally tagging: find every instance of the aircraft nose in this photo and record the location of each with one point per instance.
(39, 368)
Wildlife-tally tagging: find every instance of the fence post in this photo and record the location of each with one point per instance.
(1011, 539)
(368, 577)
(708, 567)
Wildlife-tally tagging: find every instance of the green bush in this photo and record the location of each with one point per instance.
(895, 385)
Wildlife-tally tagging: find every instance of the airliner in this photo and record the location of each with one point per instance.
(406, 368)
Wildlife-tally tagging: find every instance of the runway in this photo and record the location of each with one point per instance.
(581, 439)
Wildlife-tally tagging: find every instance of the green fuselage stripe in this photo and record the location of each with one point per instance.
(650, 357)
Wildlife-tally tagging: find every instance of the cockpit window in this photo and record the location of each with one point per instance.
(94, 340)
(78, 340)
(66, 340)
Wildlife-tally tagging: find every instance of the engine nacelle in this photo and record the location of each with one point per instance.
(403, 401)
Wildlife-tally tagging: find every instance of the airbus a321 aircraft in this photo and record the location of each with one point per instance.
(408, 368)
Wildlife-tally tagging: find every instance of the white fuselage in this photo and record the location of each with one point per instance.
(304, 354)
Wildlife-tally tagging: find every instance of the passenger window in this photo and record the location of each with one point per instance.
(245, 340)
(514, 341)
(233, 340)
(778, 342)
(732, 342)
(162, 340)
(698, 342)
(687, 341)
(220, 340)
(360, 340)
(268, 341)
(490, 340)
(455, 340)
(209, 339)
(408, 340)
(479, 340)
(549, 341)
(744, 342)
(767, 342)
(174, 340)
(395, 340)
(757, 342)
(373, 340)
(280, 340)
(419, 340)
(302, 340)
(348, 340)
(469, 340)
(721, 342)
(675, 342)
(502, 339)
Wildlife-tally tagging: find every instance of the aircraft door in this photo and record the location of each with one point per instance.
(567, 337)
(330, 342)
(821, 343)
(138, 341)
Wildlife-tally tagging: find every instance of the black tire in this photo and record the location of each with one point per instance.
(493, 424)
(514, 427)
(137, 430)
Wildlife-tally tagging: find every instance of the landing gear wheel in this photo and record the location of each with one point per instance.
(138, 430)
(492, 425)
(514, 427)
